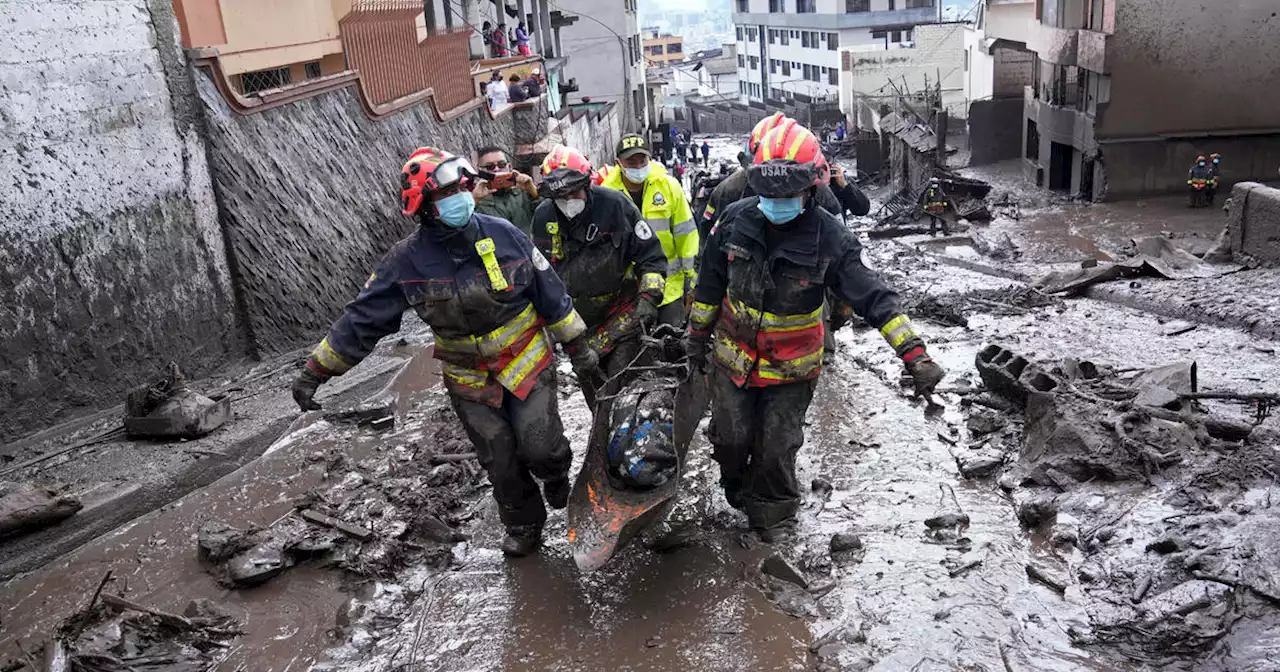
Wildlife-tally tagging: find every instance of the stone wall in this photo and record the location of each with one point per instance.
(1254, 222)
(309, 199)
(111, 259)
(1143, 168)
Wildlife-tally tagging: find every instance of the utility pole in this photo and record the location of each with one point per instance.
(429, 15)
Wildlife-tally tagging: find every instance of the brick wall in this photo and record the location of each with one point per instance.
(111, 259)
(1013, 72)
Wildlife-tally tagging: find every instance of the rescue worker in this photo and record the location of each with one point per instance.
(937, 206)
(766, 271)
(609, 258)
(735, 187)
(1215, 176)
(1198, 181)
(491, 300)
(662, 201)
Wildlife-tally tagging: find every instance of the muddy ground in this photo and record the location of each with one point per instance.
(966, 556)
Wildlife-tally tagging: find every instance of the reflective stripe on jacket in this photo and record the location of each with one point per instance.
(763, 301)
(488, 296)
(666, 210)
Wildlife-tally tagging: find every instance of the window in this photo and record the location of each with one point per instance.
(878, 34)
(742, 61)
(833, 77)
(312, 70)
(786, 68)
(807, 69)
(851, 6)
(896, 36)
(261, 80)
(795, 34)
(773, 36)
(966, 60)
(754, 62)
(916, 4)
(806, 6)
(909, 34)
(776, 6)
(833, 41)
(675, 48)
(891, 7)
(782, 37)
(738, 30)
(773, 66)
(743, 7)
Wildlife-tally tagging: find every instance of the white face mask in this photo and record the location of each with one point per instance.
(636, 175)
(571, 207)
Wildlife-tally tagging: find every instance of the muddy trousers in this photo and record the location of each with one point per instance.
(516, 443)
(758, 431)
(936, 221)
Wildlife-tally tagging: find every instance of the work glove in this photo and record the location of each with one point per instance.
(584, 358)
(646, 311)
(696, 348)
(304, 389)
(925, 373)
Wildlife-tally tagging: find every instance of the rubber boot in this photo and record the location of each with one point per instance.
(521, 540)
(781, 533)
(556, 492)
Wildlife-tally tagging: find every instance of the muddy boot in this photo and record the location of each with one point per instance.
(781, 533)
(556, 492)
(521, 540)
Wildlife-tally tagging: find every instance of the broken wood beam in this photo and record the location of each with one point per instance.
(354, 531)
(125, 604)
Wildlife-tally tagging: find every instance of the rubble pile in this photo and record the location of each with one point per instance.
(955, 309)
(371, 518)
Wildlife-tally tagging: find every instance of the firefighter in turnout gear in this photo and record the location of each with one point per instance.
(937, 206)
(492, 300)
(757, 315)
(609, 258)
(1215, 176)
(662, 202)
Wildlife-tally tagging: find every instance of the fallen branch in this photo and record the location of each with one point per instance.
(963, 569)
(1237, 584)
(1194, 605)
(1140, 590)
(1040, 575)
(165, 617)
(86, 614)
(453, 457)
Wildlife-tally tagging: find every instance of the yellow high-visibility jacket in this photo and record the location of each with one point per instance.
(666, 210)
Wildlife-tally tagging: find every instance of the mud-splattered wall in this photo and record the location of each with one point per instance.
(1192, 66)
(111, 261)
(1254, 222)
(309, 198)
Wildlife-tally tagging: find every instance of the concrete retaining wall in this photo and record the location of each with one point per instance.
(1254, 222)
(111, 259)
(310, 200)
(995, 130)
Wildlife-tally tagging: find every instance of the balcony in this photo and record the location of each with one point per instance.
(1062, 124)
(1054, 45)
(1091, 52)
(819, 21)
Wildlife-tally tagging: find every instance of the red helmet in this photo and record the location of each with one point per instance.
(598, 177)
(763, 127)
(564, 171)
(429, 169)
(788, 160)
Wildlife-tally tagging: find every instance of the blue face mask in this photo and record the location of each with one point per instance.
(455, 211)
(781, 210)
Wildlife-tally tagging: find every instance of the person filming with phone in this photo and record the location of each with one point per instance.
(503, 191)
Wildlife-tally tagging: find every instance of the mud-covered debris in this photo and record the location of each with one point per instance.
(433, 529)
(1048, 577)
(167, 409)
(367, 412)
(985, 422)
(821, 487)
(1165, 545)
(997, 246)
(842, 542)
(26, 506)
(949, 520)
(349, 529)
(979, 464)
(777, 566)
(256, 566)
(217, 541)
(1036, 511)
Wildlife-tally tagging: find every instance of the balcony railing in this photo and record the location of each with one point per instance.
(895, 17)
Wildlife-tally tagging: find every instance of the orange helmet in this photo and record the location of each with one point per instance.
(763, 127)
(564, 171)
(429, 169)
(788, 160)
(1200, 158)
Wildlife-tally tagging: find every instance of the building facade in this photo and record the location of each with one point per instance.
(998, 67)
(930, 67)
(601, 41)
(1126, 93)
(792, 47)
(662, 48)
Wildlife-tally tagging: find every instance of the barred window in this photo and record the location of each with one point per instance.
(261, 80)
(312, 70)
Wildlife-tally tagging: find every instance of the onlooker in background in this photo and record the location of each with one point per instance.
(706, 153)
(503, 191)
(515, 90)
(522, 40)
(500, 41)
(486, 32)
(840, 130)
(497, 92)
(532, 87)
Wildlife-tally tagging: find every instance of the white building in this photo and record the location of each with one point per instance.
(873, 75)
(790, 47)
(602, 44)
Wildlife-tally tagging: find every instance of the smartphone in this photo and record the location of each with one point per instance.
(503, 180)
